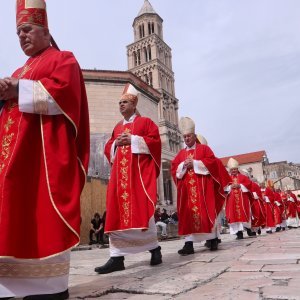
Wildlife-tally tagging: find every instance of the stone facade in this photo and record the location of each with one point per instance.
(285, 175)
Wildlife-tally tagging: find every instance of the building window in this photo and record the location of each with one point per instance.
(142, 31)
(134, 58)
(150, 79)
(145, 54)
(150, 28)
(138, 58)
(289, 173)
(149, 52)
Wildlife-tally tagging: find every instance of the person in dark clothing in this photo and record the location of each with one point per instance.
(164, 217)
(97, 229)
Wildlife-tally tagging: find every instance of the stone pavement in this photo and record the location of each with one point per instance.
(265, 267)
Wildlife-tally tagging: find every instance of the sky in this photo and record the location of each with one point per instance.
(236, 63)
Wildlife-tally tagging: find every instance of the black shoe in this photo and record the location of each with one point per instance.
(207, 244)
(250, 232)
(277, 229)
(156, 256)
(112, 265)
(239, 235)
(259, 231)
(219, 241)
(269, 231)
(214, 244)
(58, 296)
(6, 298)
(187, 249)
(283, 228)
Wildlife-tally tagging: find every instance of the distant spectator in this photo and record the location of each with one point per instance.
(158, 222)
(96, 229)
(164, 217)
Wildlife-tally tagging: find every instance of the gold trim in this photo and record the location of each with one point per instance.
(19, 270)
(35, 4)
(63, 112)
(144, 186)
(48, 184)
(82, 167)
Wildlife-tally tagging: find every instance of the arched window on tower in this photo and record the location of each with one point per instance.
(138, 59)
(146, 79)
(145, 54)
(150, 79)
(149, 52)
(134, 59)
(142, 31)
(150, 27)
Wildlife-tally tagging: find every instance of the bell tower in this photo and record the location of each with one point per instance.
(150, 58)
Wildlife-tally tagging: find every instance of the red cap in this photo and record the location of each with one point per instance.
(32, 12)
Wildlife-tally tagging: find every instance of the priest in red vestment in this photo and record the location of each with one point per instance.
(134, 151)
(200, 178)
(258, 213)
(44, 157)
(292, 210)
(269, 198)
(278, 210)
(238, 201)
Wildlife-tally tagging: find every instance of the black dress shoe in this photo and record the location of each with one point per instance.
(187, 249)
(259, 231)
(278, 229)
(269, 231)
(112, 265)
(58, 296)
(239, 235)
(283, 228)
(214, 244)
(207, 244)
(156, 257)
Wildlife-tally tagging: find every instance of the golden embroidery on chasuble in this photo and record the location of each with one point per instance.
(193, 197)
(124, 183)
(7, 138)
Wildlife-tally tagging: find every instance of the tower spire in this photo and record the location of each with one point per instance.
(146, 9)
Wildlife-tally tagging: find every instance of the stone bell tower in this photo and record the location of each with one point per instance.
(150, 58)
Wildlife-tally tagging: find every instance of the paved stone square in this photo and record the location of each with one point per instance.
(264, 267)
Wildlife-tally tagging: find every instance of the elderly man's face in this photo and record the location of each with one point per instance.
(127, 108)
(33, 38)
(189, 139)
(234, 171)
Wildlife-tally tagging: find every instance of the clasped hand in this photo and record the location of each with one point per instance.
(123, 139)
(188, 163)
(8, 88)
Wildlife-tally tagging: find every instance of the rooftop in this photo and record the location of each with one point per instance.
(246, 158)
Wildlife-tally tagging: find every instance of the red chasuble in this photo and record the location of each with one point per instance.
(278, 208)
(43, 160)
(270, 222)
(257, 208)
(238, 202)
(200, 198)
(131, 192)
(292, 206)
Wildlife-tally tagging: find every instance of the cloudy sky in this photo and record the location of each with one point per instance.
(236, 63)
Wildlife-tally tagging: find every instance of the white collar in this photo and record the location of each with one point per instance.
(130, 119)
(190, 148)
